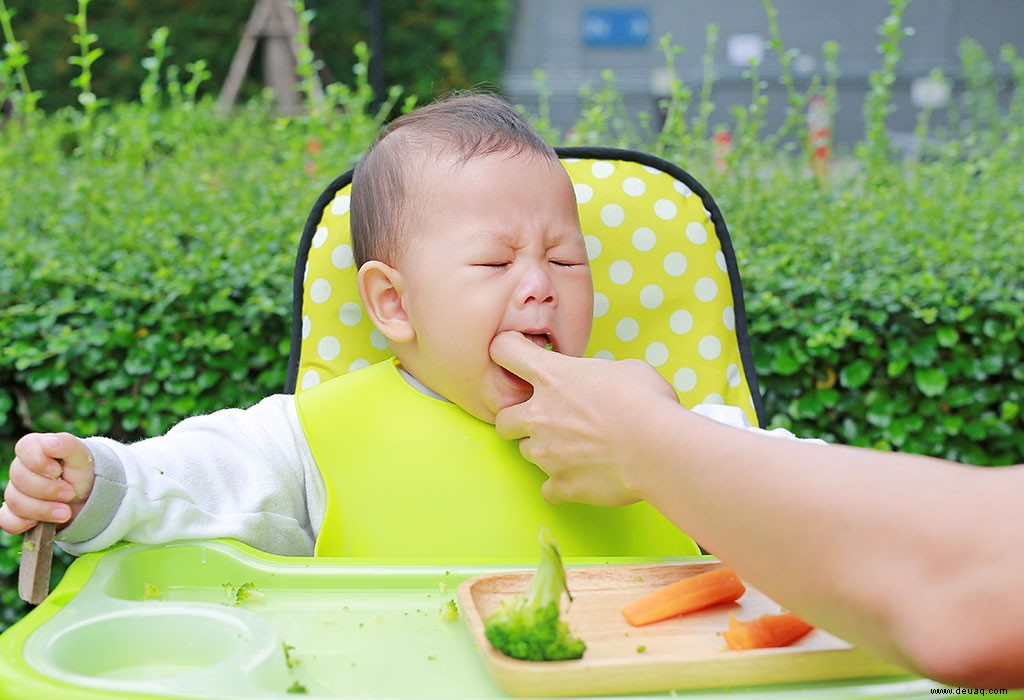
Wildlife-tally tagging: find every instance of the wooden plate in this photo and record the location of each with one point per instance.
(686, 652)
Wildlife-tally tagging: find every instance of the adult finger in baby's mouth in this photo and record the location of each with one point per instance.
(510, 350)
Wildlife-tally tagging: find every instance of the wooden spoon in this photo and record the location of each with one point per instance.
(36, 560)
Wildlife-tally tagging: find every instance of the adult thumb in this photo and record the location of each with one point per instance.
(520, 356)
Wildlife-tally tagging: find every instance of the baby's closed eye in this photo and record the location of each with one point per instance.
(495, 264)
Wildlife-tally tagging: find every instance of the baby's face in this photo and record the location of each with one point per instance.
(495, 245)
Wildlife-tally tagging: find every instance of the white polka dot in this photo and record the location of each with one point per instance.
(651, 296)
(682, 189)
(620, 272)
(584, 193)
(729, 318)
(627, 329)
(310, 379)
(602, 169)
(680, 321)
(634, 186)
(651, 169)
(320, 237)
(378, 340)
(644, 239)
(714, 399)
(305, 271)
(707, 215)
(665, 209)
(328, 348)
(720, 261)
(350, 313)
(612, 215)
(307, 326)
(696, 233)
(358, 364)
(709, 347)
(341, 257)
(601, 304)
(675, 263)
(684, 380)
(320, 291)
(340, 204)
(732, 375)
(656, 354)
(593, 244)
(604, 355)
(706, 289)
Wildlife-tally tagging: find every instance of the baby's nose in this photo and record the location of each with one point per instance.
(536, 286)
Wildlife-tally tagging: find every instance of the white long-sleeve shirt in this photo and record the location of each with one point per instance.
(246, 474)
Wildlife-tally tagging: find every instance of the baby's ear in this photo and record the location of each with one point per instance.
(380, 288)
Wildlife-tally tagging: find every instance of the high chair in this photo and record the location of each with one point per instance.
(666, 285)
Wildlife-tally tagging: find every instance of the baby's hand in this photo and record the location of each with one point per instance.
(51, 477)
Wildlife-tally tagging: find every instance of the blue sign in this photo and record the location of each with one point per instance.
(611, 27)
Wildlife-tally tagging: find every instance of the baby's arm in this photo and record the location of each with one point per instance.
(245, 474)
(51, 477)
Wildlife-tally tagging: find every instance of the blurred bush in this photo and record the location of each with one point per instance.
(430, 46)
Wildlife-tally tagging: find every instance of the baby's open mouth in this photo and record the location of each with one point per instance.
(542, 340)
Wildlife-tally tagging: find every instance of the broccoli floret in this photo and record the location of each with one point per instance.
(530, 627)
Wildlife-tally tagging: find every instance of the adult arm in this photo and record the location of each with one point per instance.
(914, 558)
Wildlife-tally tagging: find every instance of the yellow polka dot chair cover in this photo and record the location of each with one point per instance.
(666, 285)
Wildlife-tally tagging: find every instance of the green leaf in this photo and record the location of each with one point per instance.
(856, 374)
(785, 365)
(828, 397)
(964, 312)
(924, 352)
(952, 423)
(806, 407)
(897, 366)
(931, 381)
(946, 336)
(975, 431)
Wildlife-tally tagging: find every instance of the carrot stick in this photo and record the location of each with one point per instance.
(713, 587)
(766, 631)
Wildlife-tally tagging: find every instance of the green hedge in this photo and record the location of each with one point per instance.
(894, 320)
(146, 256)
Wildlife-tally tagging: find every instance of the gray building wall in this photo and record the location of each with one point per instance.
(549, 35)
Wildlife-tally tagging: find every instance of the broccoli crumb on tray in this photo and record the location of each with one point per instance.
(449, 611)
(530, 627)
(236, 595)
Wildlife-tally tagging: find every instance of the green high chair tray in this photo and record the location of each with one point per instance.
(142, 621)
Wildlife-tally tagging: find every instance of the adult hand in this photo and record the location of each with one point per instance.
(50, 479)
(576, 426)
